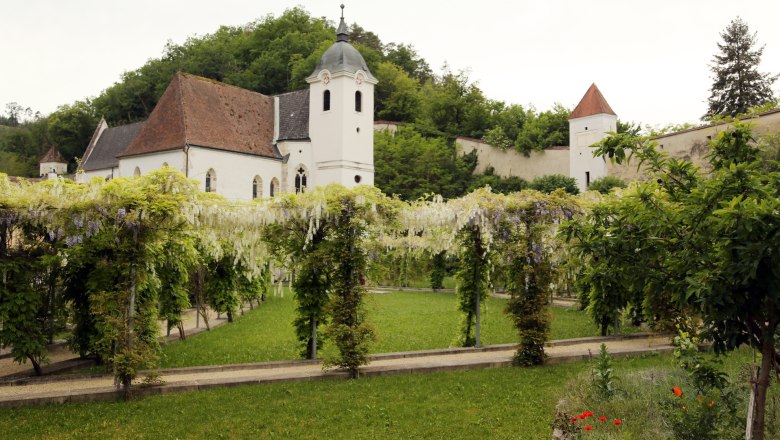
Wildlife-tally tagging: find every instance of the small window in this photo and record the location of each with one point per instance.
(165, 164)
(137, 172)
(326, 101)
(358, 178)
(358, 101)
(274, 187)
(257, 187)
(300, 180)
(211, 181)
(587, 179)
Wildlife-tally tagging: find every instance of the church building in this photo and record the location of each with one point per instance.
(244, 145)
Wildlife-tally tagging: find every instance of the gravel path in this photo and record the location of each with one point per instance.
(258, 373)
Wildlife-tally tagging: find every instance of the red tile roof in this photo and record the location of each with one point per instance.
(593, 103)
(201, 112)
(53, 155)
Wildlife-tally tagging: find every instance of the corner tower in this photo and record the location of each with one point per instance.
(589, 123)
(341, 115)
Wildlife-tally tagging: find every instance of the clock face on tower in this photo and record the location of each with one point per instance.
(359, 78)
(326, 79)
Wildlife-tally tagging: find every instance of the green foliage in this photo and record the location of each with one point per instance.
(605, 184)
(737, 84)
(497, 184)
(551, 182)
(603, 377)
(411, 166)
(545, 129)
(705, 244)
(473, 278)
(438, 270)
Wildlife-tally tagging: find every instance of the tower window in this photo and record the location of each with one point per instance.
(358, 101)
(137, 172)
(300, 180)
(274, 186)
(211, 181)
(326, 101)
(587, 179)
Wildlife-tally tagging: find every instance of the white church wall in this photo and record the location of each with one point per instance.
(106, 173)
(235, 172)
(300, 154)
(149, 162)
(584, 132)
(512, 163)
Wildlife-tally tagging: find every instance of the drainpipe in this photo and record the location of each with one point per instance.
(186, 160)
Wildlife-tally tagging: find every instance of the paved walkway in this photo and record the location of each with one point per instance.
(31, 391)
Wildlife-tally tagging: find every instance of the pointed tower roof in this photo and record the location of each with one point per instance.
(53, 155)
(201, 112)
(593, 103)
(342, 33)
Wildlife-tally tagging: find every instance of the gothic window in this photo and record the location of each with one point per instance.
(257, 187)
(274, 186)
(211, 181)
(137, 172)
(326, 100)
(358, 101)
(300, 180)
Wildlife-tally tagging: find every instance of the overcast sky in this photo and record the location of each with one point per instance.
(650, 58)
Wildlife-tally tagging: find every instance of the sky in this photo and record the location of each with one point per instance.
(649, 58)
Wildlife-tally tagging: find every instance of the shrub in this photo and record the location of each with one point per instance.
(605, 184)
(551, 182)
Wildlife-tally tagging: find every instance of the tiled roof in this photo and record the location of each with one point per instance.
(294, 115)
(593, 103)
(201, 112)
(53, 155)
(109, 144)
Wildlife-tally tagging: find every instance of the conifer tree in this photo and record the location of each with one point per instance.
(738, 85)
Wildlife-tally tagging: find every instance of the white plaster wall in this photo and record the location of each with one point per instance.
(512, 163)
(300, 154)
(584, 132)
(58, 167)
(106, 173)
(150, 162)
(235, 172)
(342, 138)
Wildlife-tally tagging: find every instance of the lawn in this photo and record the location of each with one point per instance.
(404, 321)
(492, 403)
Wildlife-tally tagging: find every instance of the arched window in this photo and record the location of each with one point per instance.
(358, 101)
(326, 101)
(165, 164)
(274, 186)
(257, 187)
(300, 180)
(137, 172)
(211, 181)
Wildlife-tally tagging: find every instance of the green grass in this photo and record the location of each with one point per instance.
(404, 321)
(505, 403)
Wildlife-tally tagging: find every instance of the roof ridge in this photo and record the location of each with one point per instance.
(183, 107)
(224, 84)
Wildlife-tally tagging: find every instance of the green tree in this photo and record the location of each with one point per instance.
(397, 95)
(686, 241)
(737, 84)
(411, 165)
(70, 127)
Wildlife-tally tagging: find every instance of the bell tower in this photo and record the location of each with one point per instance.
(341, 115)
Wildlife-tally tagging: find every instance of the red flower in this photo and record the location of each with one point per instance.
(588, 414)
(581, 416)
(616, 422)
(588, 427)
(573, 419)
(677, 391)
(711, 404)
(603, 419)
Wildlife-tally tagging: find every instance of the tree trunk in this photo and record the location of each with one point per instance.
(182, 335)
(762, 384)
(36, 365)
(312, 349)
(230, 315)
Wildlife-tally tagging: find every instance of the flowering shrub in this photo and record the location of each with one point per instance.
(585, 421)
